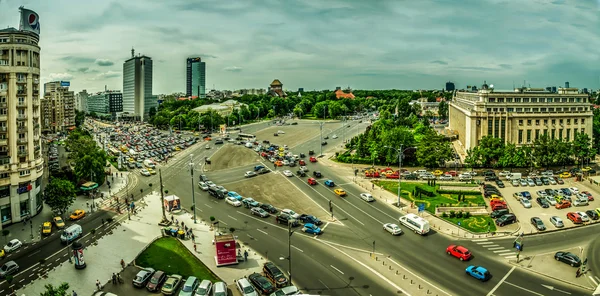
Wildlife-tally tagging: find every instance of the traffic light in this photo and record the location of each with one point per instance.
(515, 244)
(521, 249)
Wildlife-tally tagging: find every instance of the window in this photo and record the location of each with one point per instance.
(502, 128)
(582, 130)
(509, 100)
(489, 109)
(510, 109)
(550, 109)
(575, 131)
(568, 134)
(24, 173)
(528, 136)
(525, 100)
(583, 121)
(528, 121)
(546, 132)
(542, 100)
(520, 136)
(520, 121)
(545, 121)
(543, 109)
(24, 206)
(571, 100)
(553, 121)
(519, 109)
(500, 100)
(490, 127)
(492, 100)
(537, 134)
(497, 128)
(534, 100)
(5, 213)
(4, 175)
(536, 109)
(527, 109)
(575, 120)
(537, 122)
(553, 134)
(560, 134)
(560, 121)
(568, 121)
(517, 100)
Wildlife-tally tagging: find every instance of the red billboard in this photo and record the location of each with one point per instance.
(225, 249)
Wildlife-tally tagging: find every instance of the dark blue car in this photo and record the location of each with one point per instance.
(258, 167)
(310, 219)
(479, 273)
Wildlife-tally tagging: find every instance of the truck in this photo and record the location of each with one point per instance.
(514, 176)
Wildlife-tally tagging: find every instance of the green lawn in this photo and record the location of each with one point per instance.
(430, 202)
(169, 255)
(477, 224)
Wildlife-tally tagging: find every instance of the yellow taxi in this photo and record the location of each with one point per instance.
(438, 173)
(340, 192)
(131, 160)
(196, 134)
(2, 253)
(565, 175)
(151, 171)
(58, 221)
(586, 169)
(177, 148)
(495, 197)
(46, 228)
(77, 214)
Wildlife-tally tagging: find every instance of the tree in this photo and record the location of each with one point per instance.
(443, 109)
(79, 118)
(544, 152)
(59, 195)
(582, 147)
(489, 151)
(152, 111)
(433, 150)
(61, 290)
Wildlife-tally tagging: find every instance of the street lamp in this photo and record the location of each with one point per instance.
(191, 164)
(400, 152)
(289, 257)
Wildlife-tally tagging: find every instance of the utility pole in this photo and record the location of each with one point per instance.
(193, 194)
(290, 232)
(321, 153)
(162, 197)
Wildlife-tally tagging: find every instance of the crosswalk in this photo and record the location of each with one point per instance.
(496, 248)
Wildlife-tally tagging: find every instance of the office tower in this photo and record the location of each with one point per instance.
(81, 99)
(58, 107)
(196, 78)
(106, 103)
(137, 87)
(450, 86)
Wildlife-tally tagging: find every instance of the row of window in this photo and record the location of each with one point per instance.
(538, 100)
(564, 109)
(553, 121)
(553, 134)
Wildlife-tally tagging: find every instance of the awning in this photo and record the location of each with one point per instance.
(89, 186)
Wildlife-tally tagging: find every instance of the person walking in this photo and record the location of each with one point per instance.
(122, 263)
(246, 255)
(98, 286)
(119, 279)
(74, 294)
(114, 278)
(195, 250)
(193, 237)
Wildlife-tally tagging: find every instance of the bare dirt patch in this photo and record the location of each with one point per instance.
(231, 156)
(295, 134)
(276, 190)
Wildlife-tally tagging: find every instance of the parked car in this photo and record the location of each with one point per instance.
(525, 202)
(557, 222)
(245, 288)
(275, 274)
(568, 258)
(204, 288)
(12, 245)
(543, 202)
(155, 282)
(592, 214)
(171, 284)
(538, 223)
(261, 283)
(142, 277)
(189, 286)
(506, 219)
(9, 268)
(259, 212)
(269, 208)
(574, 217)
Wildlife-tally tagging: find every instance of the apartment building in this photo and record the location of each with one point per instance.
(58, 107)
(519, 116)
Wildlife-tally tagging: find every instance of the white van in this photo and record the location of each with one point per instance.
(71, 233)
(514, 176)
(415, 223)
(148, 163)
(249, 145)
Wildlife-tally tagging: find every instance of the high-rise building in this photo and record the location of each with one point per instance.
(137, 87)
(81, 99)
(196, 78)
(109, 102)
(450, 86)
(21, 161)
(58, 107)
(567, 85)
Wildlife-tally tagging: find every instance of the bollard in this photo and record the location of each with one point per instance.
(428, 292)
(404, 277)
(420, 287)
(376, 258)
(396, 272)
(411, 282)
(390, 267)
(383, 263)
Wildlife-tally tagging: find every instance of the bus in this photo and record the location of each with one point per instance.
(242, 136)
(415, 223)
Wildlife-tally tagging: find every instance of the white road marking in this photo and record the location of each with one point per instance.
(323, 229)
(319, 281)
(34, 253)
(502, 251)
(297, 249)
(532, 292)
(495, 248)
(510, 257)
(336, 269)
(262, 231)
(485, 243)
(593, 280)
(501, 281)
(208, 206)
(480, 240)
(490, 246)
(232, 218)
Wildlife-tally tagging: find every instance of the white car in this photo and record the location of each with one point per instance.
(233, 201)
(286, 162)
(541, 193)
(472, 173)
(245, 288)
(291, 213)
(250, 174)
(551, 200)
(334, 137)
(367, 197)
(504, 173)
(280, 132)
(13, 245)
(145, 172)
(304, 169)
(525, 202)
(288, 173)
(203, 186)
(392, 228)
(574, 190)
(551, 180)
(210, 184)
(584, 216)
(445, 178)
(207, 147)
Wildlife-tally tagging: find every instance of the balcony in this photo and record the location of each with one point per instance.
(22, 117)
(3, 142)
(22, 80)
(22, 153)
(3, 129)
(4, 62)
(22, 129)
(3, 105)
(22, 92)
(3, 117)
(22, 141)
(21, 104)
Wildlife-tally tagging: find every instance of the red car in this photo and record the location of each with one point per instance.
(452, 173)
(574, 217)
(563, 204)
(312, 181)
(313, 159)
(459, 252)
(302, 162)
(589, 195)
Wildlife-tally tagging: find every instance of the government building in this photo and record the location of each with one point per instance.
(520, 116)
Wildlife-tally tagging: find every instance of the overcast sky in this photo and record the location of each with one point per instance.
(320, 44)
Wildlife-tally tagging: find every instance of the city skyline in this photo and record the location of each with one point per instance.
(315, 45)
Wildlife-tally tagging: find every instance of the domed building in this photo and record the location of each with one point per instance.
(276, 89)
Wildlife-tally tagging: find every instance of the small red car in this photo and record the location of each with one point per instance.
(589, 195)
(313, 159)
(312, 181)
(574, 217)
(460, 252)
(563, 204)
(302, 162)
(452, 173)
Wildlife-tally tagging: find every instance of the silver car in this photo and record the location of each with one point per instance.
(530, 182)
(220, 289)
(10, 267)
(551, 200)
(557, 222)
(525, 202)
(204, 288)
(523, 182)
(515, 182)
(142, 277)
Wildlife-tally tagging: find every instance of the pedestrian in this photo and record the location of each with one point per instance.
(578, 273)
(114, 278)
(171, 218)
(74, 294)
(122, 263)
(193, 237)
(119, 279)
(102, 221)
(195, 250)
(98, 286)
(373, 186)
(182, 224)
(246, 255)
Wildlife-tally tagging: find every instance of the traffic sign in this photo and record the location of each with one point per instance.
(421, 207)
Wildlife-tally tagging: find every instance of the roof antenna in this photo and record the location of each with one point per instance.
(132, 52)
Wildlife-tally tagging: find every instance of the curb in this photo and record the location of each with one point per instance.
(550, 276)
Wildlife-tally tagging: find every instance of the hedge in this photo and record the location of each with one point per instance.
(445, 191)
(419, 190)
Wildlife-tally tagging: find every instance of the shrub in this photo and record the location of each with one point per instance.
(467, 215)
(459, 214)
(444, 215)
(452, 214)
(461, 192)
(422, 191)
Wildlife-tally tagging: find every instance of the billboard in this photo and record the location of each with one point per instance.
(226, 250)
(65, 83)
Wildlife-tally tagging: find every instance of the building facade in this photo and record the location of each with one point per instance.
(81, 99)
(137, 87)
(276, 89)
(58, 107)
(105, 103)
(196, 78)
(521, 116)
(21, 161)
(450, 86)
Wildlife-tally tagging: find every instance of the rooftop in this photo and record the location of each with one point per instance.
(276, 82)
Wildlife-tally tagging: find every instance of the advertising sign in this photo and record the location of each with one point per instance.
(65, 83)
(225, 249)
(172, 203)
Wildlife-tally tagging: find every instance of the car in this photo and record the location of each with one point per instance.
(340, 192)
(210, 184)
(317, 174)
(530, 182)
(202, 186)
(157, 279)
(541, 193)
(590, 197)
(249, 202)
(9, 268)
(203, 178)
(233, 201)
(288, 173)
(145, 172)
(525, 202)
(563, 204)
(275, 274)
(584, 216)
(538, 223)
(311, 229)
(13, 245)
(220, 289)
(543, 202)
(312, 158)
(142, 277)
(574, 190)
(250, 174)
(445, 177)
(304, 218)
(189, 286)
(523, 182)
(392, 228)
(565, 175)
(478, 272)
(574, 217)
(559, 180)
(323, 143)
(46, 228)
(557, 222)
(204, 288)
(500, 183)
(151, 171)
(506, 219)
(171, 284)
(303, 168)
(291, 213)
(77, 214)
(568, 258)
(301, 173)
(551, 180)
(258, 167)
(234, 195)
(329, 183)
(367, 197)
(283, 218)
(312, 181)
(259, 212)
(514, 183)
(566, 191)
(269, 208)
(460, 252)
(261, 283)
(551, 200)
(245, 288)
(498, 213)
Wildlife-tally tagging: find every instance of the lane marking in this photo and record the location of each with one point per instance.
(262, 231)
(501, 281)
(593, 280)
(318, 279)
(532, 292)
(232, 218)
(485, 243)
(510, 257)
(297, 249)
(502, 251)
(39, 250)
(480, 240)
(336, 269)
(496, 248)
(208, 206)
(490, 246)
(323, 229)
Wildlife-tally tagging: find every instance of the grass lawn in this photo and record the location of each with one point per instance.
(169, 255)
(477, 224)
(430, 202)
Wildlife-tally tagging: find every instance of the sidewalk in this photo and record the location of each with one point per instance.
(127, 241)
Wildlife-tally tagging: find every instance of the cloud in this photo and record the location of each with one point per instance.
(204, 56)
(109, 74)
(84, 70)
(505, 66)
(439, 62)
(77, 60)
(104, 62)
(233, 69)
(60, 76)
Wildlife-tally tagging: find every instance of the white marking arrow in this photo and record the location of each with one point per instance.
(551, 288)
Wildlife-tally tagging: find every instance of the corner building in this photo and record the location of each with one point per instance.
(521, 116)
(21, 162)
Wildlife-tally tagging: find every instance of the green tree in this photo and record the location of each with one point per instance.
(544, 152)
(59, 195)
(490, 150)
(514, 156)
(433, 150)
(582, 147)
(152, 111)
(443, 110)
(79, 118)
(61, 290)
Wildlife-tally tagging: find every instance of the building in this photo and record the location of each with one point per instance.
(137, 87)
(224, 109)
(196, 78)
(567, 84)
(21, 161)
(343, 94)
(450, 86)
(81, 99)
(251, 91)
(58, 107)
(276, 89)
(519, 116)
(106, 103)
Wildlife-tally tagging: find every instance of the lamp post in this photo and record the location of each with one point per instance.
(289, 257)
(400, 152)
(193, 194)
(162, 197)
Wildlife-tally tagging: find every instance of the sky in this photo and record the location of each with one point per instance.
(320, 44)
